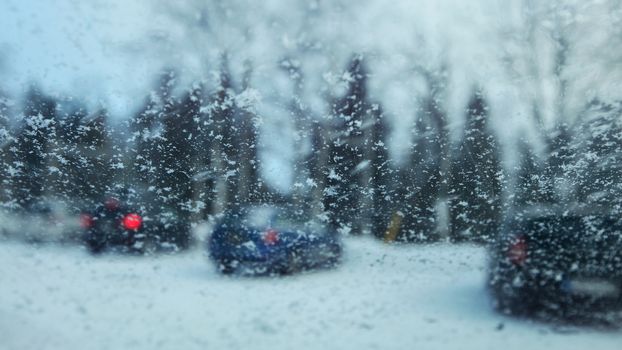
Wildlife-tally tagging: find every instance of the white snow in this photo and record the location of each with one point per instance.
(381, 297)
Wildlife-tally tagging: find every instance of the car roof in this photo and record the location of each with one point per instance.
(260, 216)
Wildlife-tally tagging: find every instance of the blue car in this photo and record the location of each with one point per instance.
(265, 240)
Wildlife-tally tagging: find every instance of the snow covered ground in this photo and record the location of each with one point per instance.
(381, 297)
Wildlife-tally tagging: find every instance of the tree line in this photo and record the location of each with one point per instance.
(195, 155)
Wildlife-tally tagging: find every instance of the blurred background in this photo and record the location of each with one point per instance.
(366, 113)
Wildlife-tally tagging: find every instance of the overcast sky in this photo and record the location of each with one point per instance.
(74, 47)
(110, 52)
(102, 49)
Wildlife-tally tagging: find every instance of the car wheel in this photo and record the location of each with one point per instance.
(150, 245)
(336, 252)
(95, 246)
(227, 266)
(332, 257)
(292, 263)
(510, 301)
(143, 244)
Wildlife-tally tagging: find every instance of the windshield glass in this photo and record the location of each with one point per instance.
(456, 167)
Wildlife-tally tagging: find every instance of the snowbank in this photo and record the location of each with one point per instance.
(381, 297)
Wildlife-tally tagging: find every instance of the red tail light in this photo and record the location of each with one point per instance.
(270, 237)
(86, 221)
(132, 221)
(517, 252)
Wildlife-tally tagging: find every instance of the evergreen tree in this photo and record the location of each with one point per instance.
(597, 167)
(176, 168)
(317, 165)
(560, 155)
(381, 173)
(475, 205)
(94, 169)
(29, 163)
(305, 192)
(65, 155)
(422, 179)
(203, 149)
(439, 129)
(250, 187)
(222, 112)
(6, 142)
(421, 182)
(344, 184)
(145, 152)
(530, 182)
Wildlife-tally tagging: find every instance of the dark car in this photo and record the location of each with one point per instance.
(558, 264)
(118, 226)
(271, 240)
(114, 225)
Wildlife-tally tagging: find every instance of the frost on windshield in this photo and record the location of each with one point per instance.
(147, 127)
